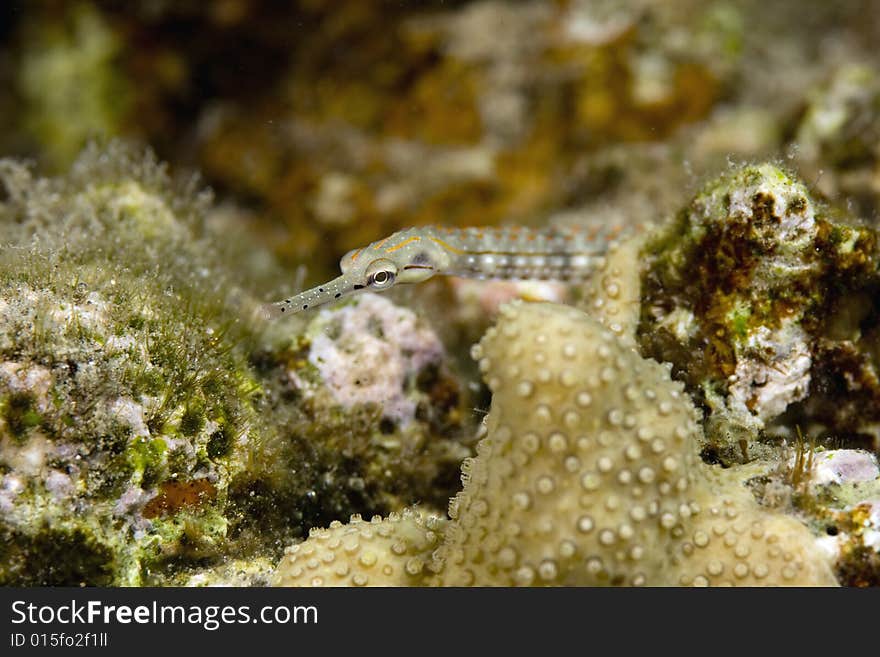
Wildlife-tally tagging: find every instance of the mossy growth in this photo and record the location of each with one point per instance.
(54, 557)
(123, 353)
(145, 408)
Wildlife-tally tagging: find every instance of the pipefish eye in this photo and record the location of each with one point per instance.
(381, 273)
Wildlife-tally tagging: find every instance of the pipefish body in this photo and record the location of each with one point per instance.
(413, 255)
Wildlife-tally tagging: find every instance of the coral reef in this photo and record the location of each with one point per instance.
(155, 434)
(155, 430)
(588, 474)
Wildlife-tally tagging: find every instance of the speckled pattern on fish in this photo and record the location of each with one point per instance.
(565, 253)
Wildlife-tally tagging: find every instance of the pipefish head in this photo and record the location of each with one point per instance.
(401, 258)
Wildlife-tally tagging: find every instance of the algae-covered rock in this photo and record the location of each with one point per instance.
(149, 428)
(378, 410)
(747, 291)
(372, 352)
(126, 400)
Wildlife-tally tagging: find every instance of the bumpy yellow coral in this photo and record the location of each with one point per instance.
(589, 475)
(395, 551)
(733, 541)
(583, 475)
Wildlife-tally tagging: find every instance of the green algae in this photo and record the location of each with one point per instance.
(135, 357)
(19, 414)
(145, 415)
(67, 558)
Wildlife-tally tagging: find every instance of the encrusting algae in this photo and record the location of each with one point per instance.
(762, 298)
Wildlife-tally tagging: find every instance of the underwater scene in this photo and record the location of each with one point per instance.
(439, 293)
